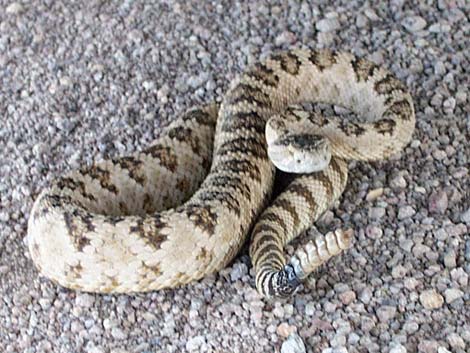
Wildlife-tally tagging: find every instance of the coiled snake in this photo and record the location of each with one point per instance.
(183, 207)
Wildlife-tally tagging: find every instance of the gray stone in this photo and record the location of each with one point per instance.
(455, 341)
(386, 313)
(452, 294)
(397, 348)
(84, 300)
(438, 202)
(14, 8)
(465, 216)
(467, 250)
(411, 327)
(365, 295)
(310, 309)
(406, 212)
(399, 271)
(194, 343)
(398, 182)
(450, 260)
(239, 269)
(376, 212)
(414, 23)
(347, 297)
(293, 344)
(327, 25)
(430, 299)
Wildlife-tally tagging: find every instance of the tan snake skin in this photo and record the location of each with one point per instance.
(145, 222)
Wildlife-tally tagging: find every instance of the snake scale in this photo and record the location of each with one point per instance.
(183, 207)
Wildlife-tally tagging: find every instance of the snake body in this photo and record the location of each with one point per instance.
(183, 207)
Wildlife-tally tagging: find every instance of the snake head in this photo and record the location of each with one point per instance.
(300, 153)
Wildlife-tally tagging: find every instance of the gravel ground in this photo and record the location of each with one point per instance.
(85, 82)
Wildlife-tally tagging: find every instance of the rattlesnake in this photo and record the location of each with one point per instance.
(145, 222)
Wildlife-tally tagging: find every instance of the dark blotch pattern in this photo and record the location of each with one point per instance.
(74, 185)
(240, 166)
(249, 121)
(289, 62)
(102, 176)
(248, 94)
(150, 229)
(133, 167)
(202, 216)
(326, 182)
(199, 116)
(289, 208)
(253, 146)
(322, 59)
(305, 193)
(350, 128)
(388, 84)
(263, 74)
(184, 134)
(385, 126)
(232, 182)
(364, 69)
(78, 222)
(400, 108)
(165, 155)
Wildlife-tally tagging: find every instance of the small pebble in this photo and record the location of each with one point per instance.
(194, 343)
(327, 25)
(386, 313)
(347, 297)
(467, 250)
(430, 299)
(310, 309)
(285, 37)
(374, 194)
(411, 327)
(398, 182)
(376, 212)
(239, 269)
(293, 344)
(414, 23)
(455, 341)
(284, 329)
(438, 202)
(450, 260)
(399, 271)
(397, 348)
(406, 212)
(14, 8)
(465, 216)
(365, 295)
(84, 300)
(452, 294)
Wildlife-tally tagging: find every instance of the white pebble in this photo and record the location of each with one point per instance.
(398, 348)
(293, 344)
(452, 294)
(430, 299)
(14, 8)
(327, 24)
(414, 23)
